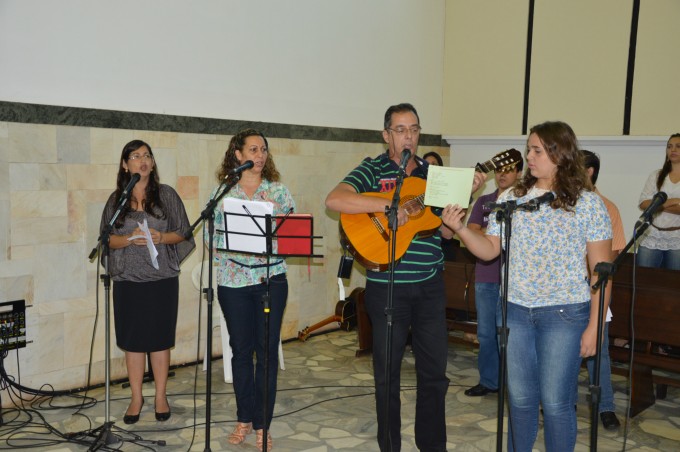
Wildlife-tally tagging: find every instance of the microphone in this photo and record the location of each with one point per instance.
(495, 205)
(533, 204)
(133, 180)
(646, 216)
(239, 169)
(405, 156)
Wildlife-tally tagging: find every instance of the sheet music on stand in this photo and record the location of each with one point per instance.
(246, 230)
(244, 225)
(295, 235)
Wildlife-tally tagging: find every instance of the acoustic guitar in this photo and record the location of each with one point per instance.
(345, 315)
(367, 236)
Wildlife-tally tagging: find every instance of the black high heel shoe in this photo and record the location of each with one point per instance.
(162, 417)
(133, 418)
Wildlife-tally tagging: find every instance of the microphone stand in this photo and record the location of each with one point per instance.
(266, 309)
(208, 214)
(104, 436)
(503, 216)
(393, 225)
(605, 270)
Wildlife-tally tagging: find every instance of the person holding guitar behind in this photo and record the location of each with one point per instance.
(488, 288)
(419, 299)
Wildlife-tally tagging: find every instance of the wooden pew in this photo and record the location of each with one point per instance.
(459, 281)
(655, 320)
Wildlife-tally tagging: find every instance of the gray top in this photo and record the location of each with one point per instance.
(133, 263)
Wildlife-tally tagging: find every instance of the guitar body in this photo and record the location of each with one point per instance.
(345, 315)
(346, 311)
(367, 237)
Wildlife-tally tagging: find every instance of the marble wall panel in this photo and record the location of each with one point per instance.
(4, 230)
(166, 164)
(73, 144)
(24, 176)
(106, 145)
(21, 252)
(4, 170)
(188, 150)
(32, 143)
(93, 209)
(45, 352)
(51, 177)
(187, 187)
(39, 204)
(16, 287)
(91, 177)
(79, 325)
(156, 139)
(60, 272)
(40, 231)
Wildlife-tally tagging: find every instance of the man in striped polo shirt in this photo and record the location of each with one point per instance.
(419, 300)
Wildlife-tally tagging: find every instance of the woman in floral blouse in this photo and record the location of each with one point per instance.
(241, 281)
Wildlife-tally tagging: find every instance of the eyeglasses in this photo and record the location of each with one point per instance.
(415, 130)
(140, 157)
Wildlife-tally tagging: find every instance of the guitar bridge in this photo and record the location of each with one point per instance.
(378, 225)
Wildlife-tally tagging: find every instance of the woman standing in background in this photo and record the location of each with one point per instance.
(660, 245)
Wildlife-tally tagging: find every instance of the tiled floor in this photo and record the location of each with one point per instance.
(325, 403)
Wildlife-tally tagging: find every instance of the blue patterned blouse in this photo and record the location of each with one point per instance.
(548, 249)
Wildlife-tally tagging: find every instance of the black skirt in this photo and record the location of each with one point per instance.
(145, 314)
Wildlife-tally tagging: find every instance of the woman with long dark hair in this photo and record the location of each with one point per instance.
(146, 290)
(660, 245)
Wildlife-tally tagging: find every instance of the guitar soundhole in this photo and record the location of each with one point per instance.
(413, 206)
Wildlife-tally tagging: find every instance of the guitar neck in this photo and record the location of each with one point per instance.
(485, 167)
(502, 160)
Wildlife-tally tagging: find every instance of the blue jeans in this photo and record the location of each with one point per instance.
(543, 353)
(243, 311)
(487, 299)
(606, 391)
(420, 308)
(648, 257)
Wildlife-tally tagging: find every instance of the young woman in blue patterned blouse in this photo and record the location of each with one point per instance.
(551, 312)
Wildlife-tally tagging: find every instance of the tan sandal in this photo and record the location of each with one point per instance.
(259, 442)
(240, 432)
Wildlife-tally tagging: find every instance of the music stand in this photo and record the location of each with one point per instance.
(296, 240)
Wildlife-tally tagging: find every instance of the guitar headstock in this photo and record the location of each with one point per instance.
(304, 334)
(501, 161)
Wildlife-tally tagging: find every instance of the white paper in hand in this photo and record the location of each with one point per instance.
(447, 185)
(146, 234)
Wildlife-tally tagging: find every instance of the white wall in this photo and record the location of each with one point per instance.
(625, 164)
(308, 62)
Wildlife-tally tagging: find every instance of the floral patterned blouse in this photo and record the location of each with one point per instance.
(240, 269)
(548, 249)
